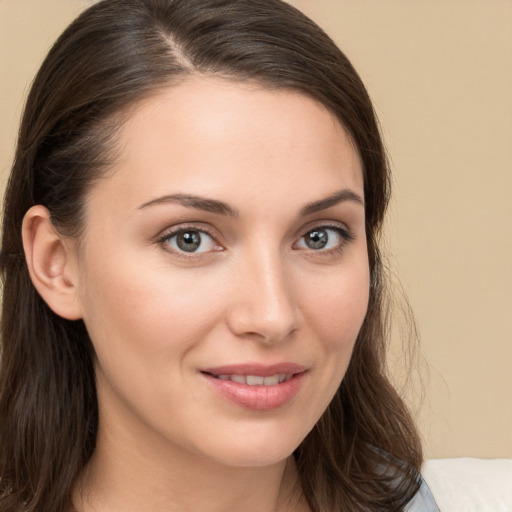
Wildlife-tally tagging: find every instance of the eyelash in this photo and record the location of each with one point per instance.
(168, 235)
(346, 236)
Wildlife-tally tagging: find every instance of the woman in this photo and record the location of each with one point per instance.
(192, 311)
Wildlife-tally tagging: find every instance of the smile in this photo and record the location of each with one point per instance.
(256, 380)
(257, 387)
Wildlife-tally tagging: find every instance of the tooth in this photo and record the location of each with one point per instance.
(282, 377)
(238, 378)
(223, 377)
(255, 380)
(273, 380)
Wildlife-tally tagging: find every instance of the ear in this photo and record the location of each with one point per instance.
(51, 263)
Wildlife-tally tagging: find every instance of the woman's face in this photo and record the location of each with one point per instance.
(223, 274)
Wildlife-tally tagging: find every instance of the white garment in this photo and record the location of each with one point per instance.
(469, 484)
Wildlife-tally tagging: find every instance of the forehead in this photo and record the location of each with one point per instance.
(211, 136)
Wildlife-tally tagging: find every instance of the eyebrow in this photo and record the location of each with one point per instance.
(221, 208)
(334, 199)
(197, 202)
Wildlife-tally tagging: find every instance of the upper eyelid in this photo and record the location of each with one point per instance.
(174, 230)
(344, 232)
(325, 224)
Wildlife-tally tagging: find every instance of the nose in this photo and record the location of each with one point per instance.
(263, 305)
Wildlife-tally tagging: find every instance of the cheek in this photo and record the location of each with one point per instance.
(335, 311)
(144, 329)
(145, 314)
(338, 308)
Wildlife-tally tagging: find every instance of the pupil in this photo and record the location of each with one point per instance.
(189, 241)
(317, 239)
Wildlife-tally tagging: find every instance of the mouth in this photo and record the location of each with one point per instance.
(257, 387)
(254, 380)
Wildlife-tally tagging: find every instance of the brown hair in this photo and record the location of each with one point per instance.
(364, 453)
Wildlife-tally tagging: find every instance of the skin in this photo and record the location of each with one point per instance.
(256, 293)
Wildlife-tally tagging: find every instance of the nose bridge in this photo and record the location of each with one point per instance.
(265, 304)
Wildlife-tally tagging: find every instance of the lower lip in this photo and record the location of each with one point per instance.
(258, 398)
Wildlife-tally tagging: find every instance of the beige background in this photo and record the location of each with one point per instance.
(440, 74)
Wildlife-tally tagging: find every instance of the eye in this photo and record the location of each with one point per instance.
(323, 238)
(191, 241)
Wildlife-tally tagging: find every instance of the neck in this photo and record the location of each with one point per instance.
(131, 473)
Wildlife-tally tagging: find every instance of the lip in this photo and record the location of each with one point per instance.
(256, 369)
(257, 397)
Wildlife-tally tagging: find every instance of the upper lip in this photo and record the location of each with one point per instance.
(256, 369)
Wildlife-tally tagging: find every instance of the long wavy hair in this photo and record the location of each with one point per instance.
(364, 453)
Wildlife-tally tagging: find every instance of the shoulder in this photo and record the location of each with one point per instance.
(403, 476)
(422, 501)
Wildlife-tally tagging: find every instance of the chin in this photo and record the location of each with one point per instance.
(245, 459)
(255, 451)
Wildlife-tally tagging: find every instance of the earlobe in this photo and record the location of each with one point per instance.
(51, 264)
